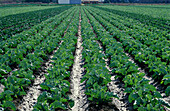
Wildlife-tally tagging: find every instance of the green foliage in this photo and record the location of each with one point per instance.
(150, 51)
(9, 104)
(142, 95)
(56, 85)
(30, 61)
(145, 46)
(167, 91)
(97, 76)
(16, 23)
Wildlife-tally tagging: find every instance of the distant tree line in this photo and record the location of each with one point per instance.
(19, 1)
(136, 1)
(43, 1)
(119, 1)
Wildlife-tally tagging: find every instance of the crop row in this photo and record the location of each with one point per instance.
(155, 22)
(7, 10)
(151, 10)
(11, 20)
(13, 41)
(17, 83)
(13, 24)
(141, 28)
(24, 36)
(143, 95)
(96, 77)
(158, 45)
(17, 49)
(136, 29)
(141, 53)
(57, 84)
(22, 56)
(96, 74)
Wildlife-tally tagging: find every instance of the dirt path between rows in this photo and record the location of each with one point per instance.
(33, 93)
(78, 88)
(31, 98)
(117, 88)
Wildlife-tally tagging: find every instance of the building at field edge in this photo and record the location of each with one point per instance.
(90, 1)
(69, 1)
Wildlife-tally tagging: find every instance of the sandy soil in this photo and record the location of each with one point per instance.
(34, 91)
(31, 98)
(78, 88)
(116, 87)
(1, 88)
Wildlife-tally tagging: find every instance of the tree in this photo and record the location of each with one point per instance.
(106, 1)
(131, 1)
(43, 1)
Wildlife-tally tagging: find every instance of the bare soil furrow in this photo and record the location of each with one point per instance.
(1, 88)
(31, 98)
(142, 68)
(117, 88)
(78, 88)
(35, 90)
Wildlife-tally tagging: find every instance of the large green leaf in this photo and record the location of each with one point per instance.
(132, 97)
(71, 103)
(57, 104)
(9, 104)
